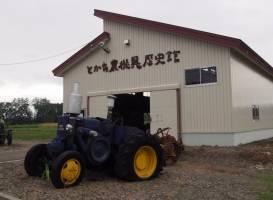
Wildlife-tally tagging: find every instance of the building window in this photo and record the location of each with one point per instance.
(192, 76)
(201, 75)
(208, 75)
(255, 112)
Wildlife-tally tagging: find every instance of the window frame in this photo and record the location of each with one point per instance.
(255, 110)
(199, 76)
(201, 84)
(213, 66)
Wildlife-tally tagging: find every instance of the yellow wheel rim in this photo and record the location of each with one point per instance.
(70, 172)
(145, 162)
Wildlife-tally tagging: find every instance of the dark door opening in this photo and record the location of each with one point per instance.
(133, 110)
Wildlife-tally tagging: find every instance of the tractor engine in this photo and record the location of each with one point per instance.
(90, 136)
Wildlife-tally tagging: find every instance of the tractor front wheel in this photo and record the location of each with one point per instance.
(35, 160)
(140, 158)
(67, 169)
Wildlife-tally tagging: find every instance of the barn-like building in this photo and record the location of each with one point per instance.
(210, 89)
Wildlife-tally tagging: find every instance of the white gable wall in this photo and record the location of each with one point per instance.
(204, 108)
(250, 86)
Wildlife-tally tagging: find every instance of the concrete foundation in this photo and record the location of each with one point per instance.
(225, 139)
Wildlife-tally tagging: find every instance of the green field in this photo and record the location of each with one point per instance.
(267, 181)
(42, 131)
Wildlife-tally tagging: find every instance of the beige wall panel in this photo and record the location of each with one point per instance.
(204, 108)
(98, 106)
(250, 87)
(163, 109)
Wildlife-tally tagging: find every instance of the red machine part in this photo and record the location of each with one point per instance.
(172, 148)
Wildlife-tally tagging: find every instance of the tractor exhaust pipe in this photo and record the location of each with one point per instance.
(75, 101)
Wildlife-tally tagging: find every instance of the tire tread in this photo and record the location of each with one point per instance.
(124, 168)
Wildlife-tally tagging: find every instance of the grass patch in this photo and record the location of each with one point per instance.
(42, 131)
(267, 181)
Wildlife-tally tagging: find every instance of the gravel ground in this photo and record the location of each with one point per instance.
(201, 173)
(19, 145)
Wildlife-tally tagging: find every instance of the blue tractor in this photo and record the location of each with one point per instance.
(94, 143)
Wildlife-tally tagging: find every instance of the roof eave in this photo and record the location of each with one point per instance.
(62, 68)
(255, 58)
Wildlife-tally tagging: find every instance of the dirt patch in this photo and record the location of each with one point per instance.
(20, 145)
(256, 153)
(201, 173)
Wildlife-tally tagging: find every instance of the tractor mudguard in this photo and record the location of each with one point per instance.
(57, 145)
(122, 133)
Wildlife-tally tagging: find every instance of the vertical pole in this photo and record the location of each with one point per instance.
(179, 125)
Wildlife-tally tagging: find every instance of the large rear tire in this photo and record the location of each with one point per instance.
(35, 160)
(67, 169)
(139, 158)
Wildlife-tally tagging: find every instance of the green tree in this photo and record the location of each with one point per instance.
(46, 111)
(16, 112)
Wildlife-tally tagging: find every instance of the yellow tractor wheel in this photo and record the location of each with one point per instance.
(70, 171)
(145, 162)
(67, 169)
(140, 158)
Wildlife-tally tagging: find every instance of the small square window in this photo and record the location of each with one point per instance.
(208, 75)
(255, 112)
(192, 76)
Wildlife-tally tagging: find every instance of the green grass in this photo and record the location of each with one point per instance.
(42, 131)
(267, 181)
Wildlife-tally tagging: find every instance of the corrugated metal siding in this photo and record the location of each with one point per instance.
(98, 106)
(250, 87)
(204, 108)
(163, 110)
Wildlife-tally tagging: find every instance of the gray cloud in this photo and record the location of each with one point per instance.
(32, 29)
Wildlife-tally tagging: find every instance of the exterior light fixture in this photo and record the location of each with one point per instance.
(102, 46)
(126, 42)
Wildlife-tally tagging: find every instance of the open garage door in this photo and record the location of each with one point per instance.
(131, 109)
(97, 106)
(164, 110)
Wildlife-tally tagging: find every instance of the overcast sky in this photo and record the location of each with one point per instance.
(34, 29)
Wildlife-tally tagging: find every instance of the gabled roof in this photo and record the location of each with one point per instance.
(58, 71)
(230, 42)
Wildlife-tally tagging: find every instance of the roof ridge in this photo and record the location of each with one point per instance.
(102, 14)
(222, 40)
(231, 42)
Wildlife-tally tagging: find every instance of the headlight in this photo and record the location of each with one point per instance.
(93, 133)
(69, 127)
